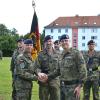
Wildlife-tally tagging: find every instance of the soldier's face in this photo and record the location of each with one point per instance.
(28, 48)
(49, 44)
(65, 43)
(57, 46)
(91, 46)
(20, 44)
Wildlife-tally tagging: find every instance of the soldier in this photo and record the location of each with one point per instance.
(19, 50)
(1, 55)
(24, 72)
(57, 45)
(46, 64)
(92, 59)
(72, 70)
(57, 48)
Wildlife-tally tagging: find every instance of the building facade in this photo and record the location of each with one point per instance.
(80, 29)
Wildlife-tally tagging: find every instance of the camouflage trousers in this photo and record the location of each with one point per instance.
(95, 90)
(50, 91)
(23, 94)
(67, 92)
(13, 92)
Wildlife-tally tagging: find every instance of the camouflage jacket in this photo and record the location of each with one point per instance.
(13, 60)
(48, 64)
(92, 66)
(72, 66)
(24, 71)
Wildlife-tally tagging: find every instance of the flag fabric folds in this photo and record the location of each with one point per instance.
(35, 36)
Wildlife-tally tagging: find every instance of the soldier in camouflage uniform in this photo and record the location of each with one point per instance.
(19, 50)
(24, 72)
(92, 59)
(72, 70)
(57, 48)
(47, 63)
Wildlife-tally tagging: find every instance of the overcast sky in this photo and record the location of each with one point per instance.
(18, 13)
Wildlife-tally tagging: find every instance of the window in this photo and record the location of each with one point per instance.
(74, 46)
(59, 37)
(66, 30)
(94, 30)
(83, 30)
(74, 40)
(83, 37)
(51, 30)
(96, 44)
(93, 37)
(59, 30)
(83, 44)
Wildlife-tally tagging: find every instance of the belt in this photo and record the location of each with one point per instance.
(70, 82)
(92, 69)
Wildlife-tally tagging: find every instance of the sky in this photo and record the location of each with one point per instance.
(19, 13)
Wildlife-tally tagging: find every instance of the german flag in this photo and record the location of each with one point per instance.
(35, 36)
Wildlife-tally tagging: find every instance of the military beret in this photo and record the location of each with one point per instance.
(57, 41)
(64, 36)
(28, 41)
(90, 42)
(20, 40)
(47, 38)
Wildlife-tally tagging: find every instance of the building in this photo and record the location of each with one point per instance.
(80, 29)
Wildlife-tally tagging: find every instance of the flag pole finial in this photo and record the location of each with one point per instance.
(33, 4)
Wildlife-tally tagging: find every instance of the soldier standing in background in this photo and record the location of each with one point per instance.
(72, 70)
(19, 50)
(1, 55)
(92, 59)
(57, 46)
(46, 65)
(24, 72)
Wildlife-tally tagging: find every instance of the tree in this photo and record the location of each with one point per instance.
(8, 40)
(3, 29)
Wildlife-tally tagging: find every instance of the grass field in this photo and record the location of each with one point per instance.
(5, 82)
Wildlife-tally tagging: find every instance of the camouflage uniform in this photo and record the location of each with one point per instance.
(12, 66)
(92, 62)
(73, 72)
(48, 64)
(23, 77)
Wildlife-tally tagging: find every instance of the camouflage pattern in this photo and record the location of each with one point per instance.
(24, 75)
(48, 64)
(12, 66)
(1, 55)
(92, 64)
(72, 68)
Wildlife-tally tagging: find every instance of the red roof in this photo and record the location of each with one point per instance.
(76, 21)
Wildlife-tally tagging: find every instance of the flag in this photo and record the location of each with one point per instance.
(35, 36)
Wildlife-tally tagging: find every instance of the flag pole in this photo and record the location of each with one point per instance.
(33, 5)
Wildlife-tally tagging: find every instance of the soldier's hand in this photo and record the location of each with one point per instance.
(77, 92)
(42, 77)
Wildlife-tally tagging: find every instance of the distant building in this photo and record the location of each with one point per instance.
(81, 29)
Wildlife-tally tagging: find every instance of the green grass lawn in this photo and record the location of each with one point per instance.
(5, 82)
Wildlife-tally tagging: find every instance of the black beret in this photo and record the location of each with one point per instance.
(47, 38)
(20, 40)
(57, 41)
(64, 36)
(90, 42)
(28, 41)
